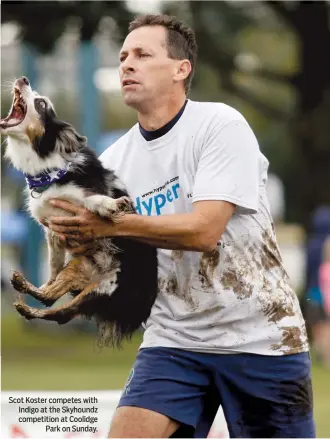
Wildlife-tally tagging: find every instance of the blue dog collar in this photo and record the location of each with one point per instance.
(40, 182)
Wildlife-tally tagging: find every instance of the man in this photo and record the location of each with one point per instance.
(226, 327)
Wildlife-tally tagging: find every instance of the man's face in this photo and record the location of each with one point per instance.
(145, 62)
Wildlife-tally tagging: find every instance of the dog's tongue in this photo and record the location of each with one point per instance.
(15, 116)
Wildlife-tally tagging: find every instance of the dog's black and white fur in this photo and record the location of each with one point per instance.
(116, 282)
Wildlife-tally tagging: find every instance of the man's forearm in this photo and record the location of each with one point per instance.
(178, 232)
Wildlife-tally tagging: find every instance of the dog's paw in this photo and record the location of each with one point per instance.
(124, 204)
(108, 206)
(18, 281)
(24, 310)
(104, 206)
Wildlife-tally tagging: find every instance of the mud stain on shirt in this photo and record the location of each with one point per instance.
(208, 264)
(171, 287)
(235, 277)
(270, 255)
(292, 341)
(176, 255)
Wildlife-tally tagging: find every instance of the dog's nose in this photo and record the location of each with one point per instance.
(25, 80)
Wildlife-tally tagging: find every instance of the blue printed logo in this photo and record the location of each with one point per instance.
(149, 204)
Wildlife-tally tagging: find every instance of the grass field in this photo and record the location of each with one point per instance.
(58, 360)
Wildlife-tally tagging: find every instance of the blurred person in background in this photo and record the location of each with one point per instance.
(315, 313)
(324, 281)
(226, 328)
(325, 276)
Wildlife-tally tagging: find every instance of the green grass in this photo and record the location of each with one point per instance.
(60, 360)
(321, 388)
(66, 360)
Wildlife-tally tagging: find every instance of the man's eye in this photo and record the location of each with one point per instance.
(144, 54)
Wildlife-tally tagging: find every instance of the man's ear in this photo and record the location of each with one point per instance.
(182, 71)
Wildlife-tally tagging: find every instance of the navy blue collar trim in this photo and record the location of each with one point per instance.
(152, 135)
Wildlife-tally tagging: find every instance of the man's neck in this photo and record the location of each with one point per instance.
(160, 115)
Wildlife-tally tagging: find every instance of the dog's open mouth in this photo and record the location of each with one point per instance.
(17, 111)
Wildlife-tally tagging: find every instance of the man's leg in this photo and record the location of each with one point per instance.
(266, 396)
(165, 395)
(129, 422)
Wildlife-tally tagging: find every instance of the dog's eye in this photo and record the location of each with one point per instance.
(40, 103)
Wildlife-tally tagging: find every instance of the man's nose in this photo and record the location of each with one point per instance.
(127, 65)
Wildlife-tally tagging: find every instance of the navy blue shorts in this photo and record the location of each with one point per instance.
(261, 396)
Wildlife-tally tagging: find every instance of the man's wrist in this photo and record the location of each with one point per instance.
(126, 225)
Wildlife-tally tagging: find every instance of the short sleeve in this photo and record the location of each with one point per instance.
(228, 167)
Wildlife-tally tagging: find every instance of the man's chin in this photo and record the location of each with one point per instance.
(131, 100)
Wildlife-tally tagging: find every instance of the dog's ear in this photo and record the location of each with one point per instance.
(69, 140)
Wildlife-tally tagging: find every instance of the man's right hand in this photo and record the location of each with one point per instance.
(78, 249)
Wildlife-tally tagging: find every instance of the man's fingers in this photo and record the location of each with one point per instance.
(65, 229)
(66, 221)
(77, 237)
(66, 239)
(66, 205)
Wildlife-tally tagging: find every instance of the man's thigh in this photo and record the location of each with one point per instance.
(165, 395)
(267, 396)
(129, 422)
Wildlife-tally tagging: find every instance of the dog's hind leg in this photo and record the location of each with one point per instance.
(62, 314)
(71, 277)
(20, 284)
(81, 304)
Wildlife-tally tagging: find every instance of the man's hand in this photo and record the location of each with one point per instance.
(82, 226)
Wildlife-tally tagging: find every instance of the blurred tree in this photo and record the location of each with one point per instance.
(291, 89)
(42, 23)
(310, 21)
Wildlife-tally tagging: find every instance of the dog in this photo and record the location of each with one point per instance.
(114, 283)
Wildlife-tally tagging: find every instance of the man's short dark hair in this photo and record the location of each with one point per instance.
(181, 41)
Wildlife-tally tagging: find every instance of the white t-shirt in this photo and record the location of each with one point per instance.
(237, 299)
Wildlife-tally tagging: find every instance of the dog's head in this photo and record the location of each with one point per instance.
(33, 122)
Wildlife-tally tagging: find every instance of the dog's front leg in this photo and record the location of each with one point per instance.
(107, 206)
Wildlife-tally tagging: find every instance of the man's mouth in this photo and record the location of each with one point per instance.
(128, 82)
(17, 111)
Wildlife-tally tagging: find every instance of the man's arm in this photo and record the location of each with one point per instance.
(199, 230)
(196, 231)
